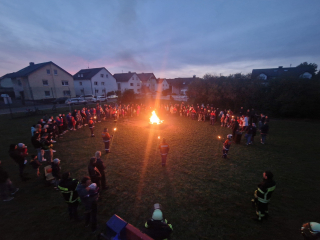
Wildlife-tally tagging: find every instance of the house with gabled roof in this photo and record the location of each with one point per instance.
(180, 85)
(126, 81)
(94, 81)
(281, 72)
(42, 81)
(146, 78)
(158, 85)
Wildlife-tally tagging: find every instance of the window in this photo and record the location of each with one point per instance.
(66, 93)
(101, 75)
(55, 72)
(106, 75)
(47, 93)
(45, 82)
(96, 91)
(78, 75)
(119, 86)
(102, 83)
(131, 84)
(48, 71)
(65, 83)
(80, 83)
(103, 90)
(81, 75)
(138, 84)
(19, 82)
(95, 83)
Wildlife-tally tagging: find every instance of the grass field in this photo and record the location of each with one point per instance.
(204, 196)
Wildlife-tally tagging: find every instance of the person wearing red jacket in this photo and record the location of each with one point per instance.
(106, 139)
(164, 150)
(91, 126)
(226, 146)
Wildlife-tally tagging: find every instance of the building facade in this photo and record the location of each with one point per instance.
(42, 81)
(127, 81)
(94, 81)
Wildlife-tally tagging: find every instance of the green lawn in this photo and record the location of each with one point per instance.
(204, 196)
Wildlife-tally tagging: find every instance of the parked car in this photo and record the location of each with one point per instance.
(75, 101)
(88, 97)
(59, 100)
(99, 99)
(113, 96)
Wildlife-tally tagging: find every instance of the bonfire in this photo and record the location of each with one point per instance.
(154, 119)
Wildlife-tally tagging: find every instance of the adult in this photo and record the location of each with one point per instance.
(56, 171)
(67, 187)
(164, 150)
(106, 139)
(157, 227)
(89, 198)
(264, 131)
(254, 132)
(94, 173)
(101, 167)
(19, 159)
(249, 133)
(6, 185)
(234, 127)
(263, 194)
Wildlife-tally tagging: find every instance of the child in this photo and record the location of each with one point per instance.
(91, 126)
(35, 164)
(226, 146)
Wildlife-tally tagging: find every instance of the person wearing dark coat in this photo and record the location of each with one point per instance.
(67, 187)
(94, 173)
(235, 127)
(254, 132)
(263, 194)
(6, 185)
(264, 131)
(56, 171)
(101, 167)
(19, 159)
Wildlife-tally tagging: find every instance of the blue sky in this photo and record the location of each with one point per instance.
(169, 38)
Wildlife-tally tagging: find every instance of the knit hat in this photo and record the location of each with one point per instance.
(20, 145)
(56, 160)
(157, 215)
(93, 186)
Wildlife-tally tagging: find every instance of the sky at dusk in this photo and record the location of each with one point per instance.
(170, 38)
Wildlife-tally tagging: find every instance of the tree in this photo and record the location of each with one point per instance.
(128, 96)
(312, 66)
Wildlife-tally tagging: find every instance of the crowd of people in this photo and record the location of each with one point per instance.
(49, 130)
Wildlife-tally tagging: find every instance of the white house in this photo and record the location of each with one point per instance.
(146, 78)
(126, 81)
(158, 85)
(180, 85)
(95, 81)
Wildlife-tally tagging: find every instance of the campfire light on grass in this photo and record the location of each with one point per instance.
(154, 118)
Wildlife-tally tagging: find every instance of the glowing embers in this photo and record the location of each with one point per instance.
(154, 119)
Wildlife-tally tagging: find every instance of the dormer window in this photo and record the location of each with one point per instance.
(78, 75)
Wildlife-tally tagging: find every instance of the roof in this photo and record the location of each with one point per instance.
(160, 80)
(180, 82)
(123, 77)
(8, 75)
(281, 72)
(88, 73)
(32, 68)
(144, 77)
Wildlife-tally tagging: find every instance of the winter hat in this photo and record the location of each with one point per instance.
(157, 215)
(20, 145)
(56, 160)
(93, 186)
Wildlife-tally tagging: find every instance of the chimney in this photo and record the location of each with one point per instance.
(31, 63)
(280, 66)
(194, 76)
